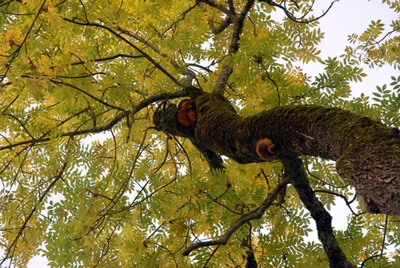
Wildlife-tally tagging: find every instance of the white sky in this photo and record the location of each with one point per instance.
(345, 18)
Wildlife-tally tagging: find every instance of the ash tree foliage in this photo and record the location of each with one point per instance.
(97, 171)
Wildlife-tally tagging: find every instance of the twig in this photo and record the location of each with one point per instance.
(291, 16)
(384, 234)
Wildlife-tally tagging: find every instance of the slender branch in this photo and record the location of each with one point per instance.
(182, 18)
(216, 201)
(195, 65)
(227, 68)
(212, 3)
(144, 54)
(106, 246)
(158, 97)
(58, 82)
(255, 214)
(107, 211)
(292, 17)
(80, 76)
(369, 258)
(84, 10)
(136, 202)
(11, 248)
(19, 121)
(183, 70)
(97, 129)
(210, 257)
(311, 8)
(15, 54)
(11, 103)
(259, 61)
(120, 55)
(348, 203)
(6, 3)
(384, 234)
(386, 35)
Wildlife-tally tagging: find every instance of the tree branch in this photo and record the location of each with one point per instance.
(212, 3)
(227, 68)
(255, 214)
(224, 24)
(348, 203)
(290, 14)
(58, 82)
(295, 172)
(11, 248)
(365, 151)
(184, 70)
(119, 55)
(97, 129)
(15, 53)
(144, 54)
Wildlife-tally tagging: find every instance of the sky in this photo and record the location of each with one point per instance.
(345, 18)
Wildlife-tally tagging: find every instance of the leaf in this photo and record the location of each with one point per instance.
(87, 180)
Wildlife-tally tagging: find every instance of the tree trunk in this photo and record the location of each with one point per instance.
(366, 152)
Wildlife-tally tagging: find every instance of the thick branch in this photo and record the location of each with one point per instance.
(294, 170)
(366, 151)
(224, 24)
(165, 120)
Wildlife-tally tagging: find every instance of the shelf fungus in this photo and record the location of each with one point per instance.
(186, 114)
(266, 149)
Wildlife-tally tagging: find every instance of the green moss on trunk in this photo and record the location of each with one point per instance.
(366, 151)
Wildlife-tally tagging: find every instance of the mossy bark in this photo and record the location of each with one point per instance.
(367, 152)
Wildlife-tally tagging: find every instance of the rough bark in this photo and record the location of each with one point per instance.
(366, 152)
